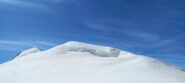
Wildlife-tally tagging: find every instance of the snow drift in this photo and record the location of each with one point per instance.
(75, 62)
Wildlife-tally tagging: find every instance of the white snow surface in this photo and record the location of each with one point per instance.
(27, 52)
(75, 62)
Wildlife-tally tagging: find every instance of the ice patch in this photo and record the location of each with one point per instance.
(102, 51)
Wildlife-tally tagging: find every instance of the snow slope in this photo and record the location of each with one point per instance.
(75, 62)
(29, 51)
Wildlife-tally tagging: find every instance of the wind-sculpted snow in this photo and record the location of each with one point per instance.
(75, 62)
(93, 49)
(74, 46)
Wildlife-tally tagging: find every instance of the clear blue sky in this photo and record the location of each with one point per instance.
(154, 28)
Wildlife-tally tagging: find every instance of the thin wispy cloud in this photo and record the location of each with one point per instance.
(44, 43)
(34, 2)
(26, 43)
(28, 3)
(13, 45)
(120, 27)
(35, 5)
(12, 42)
(19, 2)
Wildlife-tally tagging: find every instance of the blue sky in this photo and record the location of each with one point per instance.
(154, 28)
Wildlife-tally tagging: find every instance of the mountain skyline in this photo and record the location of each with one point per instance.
(152, 28)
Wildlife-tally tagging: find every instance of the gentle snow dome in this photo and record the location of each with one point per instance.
(154, 28)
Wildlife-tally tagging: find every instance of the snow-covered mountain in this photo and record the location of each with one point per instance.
(75, 62)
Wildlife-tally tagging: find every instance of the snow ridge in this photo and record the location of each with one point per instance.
(27, 52)
(102, 51)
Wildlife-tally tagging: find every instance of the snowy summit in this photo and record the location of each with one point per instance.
(76, 62)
